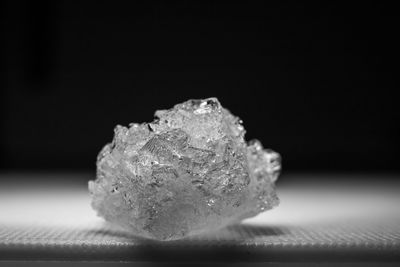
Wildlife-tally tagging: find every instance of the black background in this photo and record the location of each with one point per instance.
(314, 82)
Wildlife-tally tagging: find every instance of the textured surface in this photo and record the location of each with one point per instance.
(338, 221)
(189, 171)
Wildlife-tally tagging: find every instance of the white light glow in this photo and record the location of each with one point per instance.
(67, 205)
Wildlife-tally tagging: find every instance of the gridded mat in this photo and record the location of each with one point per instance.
(342, 221)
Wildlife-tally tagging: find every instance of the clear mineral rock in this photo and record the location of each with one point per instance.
(188, 172)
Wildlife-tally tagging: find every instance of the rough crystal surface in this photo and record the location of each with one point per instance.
(187, 172)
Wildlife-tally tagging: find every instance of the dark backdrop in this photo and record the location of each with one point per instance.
(315, 83)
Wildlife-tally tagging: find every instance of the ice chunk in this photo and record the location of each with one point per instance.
(189, 171)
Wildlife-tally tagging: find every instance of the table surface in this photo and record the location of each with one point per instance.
(322, 217)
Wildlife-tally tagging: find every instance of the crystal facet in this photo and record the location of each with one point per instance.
(188, 172)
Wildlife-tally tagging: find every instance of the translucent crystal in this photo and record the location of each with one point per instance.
(189, 171)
